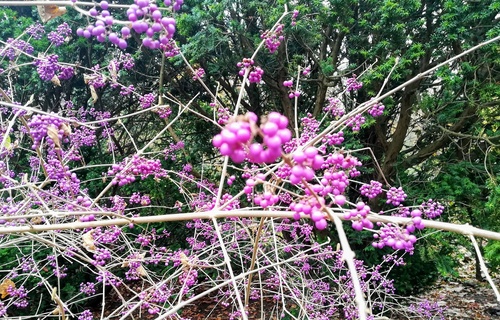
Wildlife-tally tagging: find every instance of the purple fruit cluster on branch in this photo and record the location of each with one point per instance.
(236, 139)
(144, 17)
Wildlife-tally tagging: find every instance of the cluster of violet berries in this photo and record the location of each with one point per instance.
(222, 114)
(137, 166)
(230, 180)
(332, 139)
(273, 38)
(358, 215)
(295, 14)
(146, 18)
(48, 67)
(14, 47)
(266, 199)
(199, 73)
(355, 122)
(432, 209)
(256, 73)
(305, 163)
(371, 190)
(394, 237)
(147, 100)
(58, 36)
(311, 206)
(335, 107)
(36, 31)
(40, 125)
(353, 84)
(395, 196)
(235, 140)
(376, 110)
(292, 94)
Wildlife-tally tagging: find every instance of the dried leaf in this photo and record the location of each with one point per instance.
(4, 286)
(184, 259)
(56, 311)
(141, 271)
(30, 101)
(93, 93)
(36, 220)
(13, 65)
(53, 134)
(7, 142)
(87, 78)
(113, 70)
(88, 241)
(66, 128)
(55, 80)
(50, 11)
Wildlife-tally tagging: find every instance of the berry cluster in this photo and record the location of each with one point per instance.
(334, 182)
(334, 107)
(48, 68)
(294, 94)
(222, 114)
(393, 236)
(169, 151)
(199, 73)
(67, 181)
(147, 100)
(295, 14)
(416, 218)
(87, 288)
(353, 84)
(101, 256)
(371, 190)
(151, 298)
(58, 37)
(432, 209)
(230, 180)
(355, 122)
(395, 196)
(96, 79)
(53, 129)
(36, 31)
(273, 38)
(235, 139)
(251, 182)
(306, 162)
(333, 139)
(311, 206)
(256, 73)
(306, 71)
(14, 47)
(83, 201)
(310, 127)
(164, 111)
(358, 215)
(146, 19)
(86, 315)
(136, 166)
(176, 6)
(142, 200)
(87, 218)
(266, 199)
(376, 110)
(169, 48)
(20, 295)
(291, 94)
